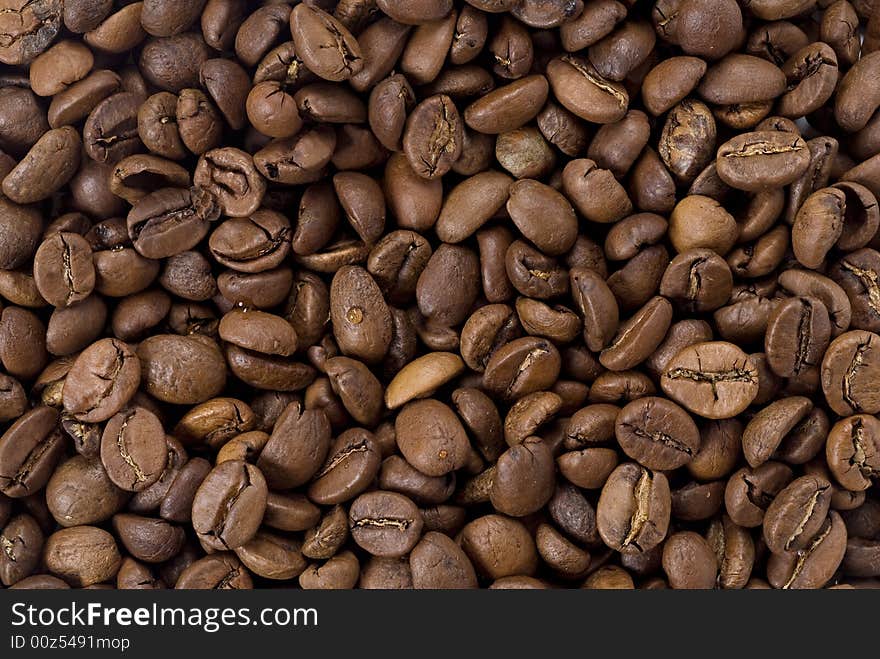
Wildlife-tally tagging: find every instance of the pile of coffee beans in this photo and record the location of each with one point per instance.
(439, 293)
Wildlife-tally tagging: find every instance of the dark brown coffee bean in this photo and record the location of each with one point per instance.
(182, 369)
(360, 317)
(797, 514)
(29, 29)
(657, 433)
(639, 336)
(584, 91)
(47, 167)
(29, 450)
(229, 505)
(385, 523)
(133, 449)
(499, 547)
(432, 139)
(22, 542)
(220, 571)
(352, 464)
(438, 563)
(148, 539)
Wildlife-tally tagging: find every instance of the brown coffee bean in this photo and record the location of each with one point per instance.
(47, 167)
(229, 505)
(82, 555)
(852, 453)
(499, 547)
(432, 139)
(182, 369)
(431, 437)
(797, 514)
(508, 107)
(437, 562)
(584, 91)
(761, 160)
(352, 464)
(220, 571)
(634, 508)
(29, 451)
(133, 449)
(657, 433)
(385, 523)
(813, 566)
(847, 373)
(713, 379)
(361, 320)
(689, 561)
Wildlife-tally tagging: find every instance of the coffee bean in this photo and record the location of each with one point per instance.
(762, 160)
(689, 561)
(499, 547)
(846, 374)
(768, 428)
(272, 556)
(182, 370)
(657, 433)
(432, 139)
(851, 451)
(215, 422)
(22, 543)
(431, 437)
(713, 379)
(385, 523)
(229, 505)
(584, 91)
(351, 465)
(634, 509)
(220, 571)
(437, 562)
(47, 167)
(813, 566)
(797, 514)
(82, 555)
(148, 539)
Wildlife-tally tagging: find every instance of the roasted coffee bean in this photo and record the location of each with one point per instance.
(432, 139)
(713, 379)
(220, 571)
(102, 380)
(385, 523)
(431, 437)
(22, 543)
(351, 465)
(133, 449)
(768, 428)
(852, 452)
(634, 509)
(761, 160)
(587, 93)
(797, 514)
(82, 555)
(847, 373)
(29, 450)
(657, 433)
(229, 505)
(47, 167)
